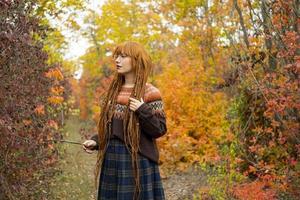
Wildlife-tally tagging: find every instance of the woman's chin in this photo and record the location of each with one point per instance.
(122, 72)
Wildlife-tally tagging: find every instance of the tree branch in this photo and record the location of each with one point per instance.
(245, 35)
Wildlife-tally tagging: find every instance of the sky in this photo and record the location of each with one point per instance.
(78, 44)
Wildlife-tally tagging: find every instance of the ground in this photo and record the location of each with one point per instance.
(182, 185)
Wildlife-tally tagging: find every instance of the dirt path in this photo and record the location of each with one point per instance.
(182, 186)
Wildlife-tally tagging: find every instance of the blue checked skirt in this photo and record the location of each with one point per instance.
(117, 178)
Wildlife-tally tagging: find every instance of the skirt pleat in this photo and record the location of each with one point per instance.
(117, 175)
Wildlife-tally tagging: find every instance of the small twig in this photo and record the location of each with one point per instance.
(45, 141)
(65, 141)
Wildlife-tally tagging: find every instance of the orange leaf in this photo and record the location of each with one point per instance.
(40, 109)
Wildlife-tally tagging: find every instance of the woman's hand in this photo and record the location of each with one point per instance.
(89, 146)
(134, 104)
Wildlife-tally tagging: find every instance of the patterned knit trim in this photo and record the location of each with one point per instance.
(156, 106)
(119, 112)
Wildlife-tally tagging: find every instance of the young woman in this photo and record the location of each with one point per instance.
(131, 119)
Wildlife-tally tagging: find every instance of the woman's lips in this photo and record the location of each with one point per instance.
(118, 66)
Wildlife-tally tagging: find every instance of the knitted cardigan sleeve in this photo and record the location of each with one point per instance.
(95, 138)
(152, 118)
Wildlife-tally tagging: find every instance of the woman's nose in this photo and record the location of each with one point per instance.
(118, 59)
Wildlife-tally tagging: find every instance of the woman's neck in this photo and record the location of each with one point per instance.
(129, 80)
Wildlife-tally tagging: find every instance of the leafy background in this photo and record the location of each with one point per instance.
(228, 72)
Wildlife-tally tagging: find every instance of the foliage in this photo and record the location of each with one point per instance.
(228, 72)
(195, 115)
(254, 190)
(267, 112)
(34, 90)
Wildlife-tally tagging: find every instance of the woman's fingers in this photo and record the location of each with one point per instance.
(132, 106)
(88, 145)
(133, 99)
(134, 103)
(89, 151)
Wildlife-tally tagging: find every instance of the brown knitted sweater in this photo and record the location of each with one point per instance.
(151, 116)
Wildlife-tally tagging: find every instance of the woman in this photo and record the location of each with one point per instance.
(131, 119)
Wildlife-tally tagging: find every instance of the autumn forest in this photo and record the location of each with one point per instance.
(228, 72)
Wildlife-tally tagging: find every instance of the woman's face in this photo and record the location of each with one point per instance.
(123, 63)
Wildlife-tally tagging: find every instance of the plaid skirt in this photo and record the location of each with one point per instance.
(117, 177)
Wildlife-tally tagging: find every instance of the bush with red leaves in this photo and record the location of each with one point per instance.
(27, 119)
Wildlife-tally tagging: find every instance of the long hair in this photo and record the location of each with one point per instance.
(142, 65)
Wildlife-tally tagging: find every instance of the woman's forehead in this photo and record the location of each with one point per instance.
(122, 49)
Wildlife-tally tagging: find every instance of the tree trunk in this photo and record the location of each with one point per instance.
(245, 34)
(268, 40)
